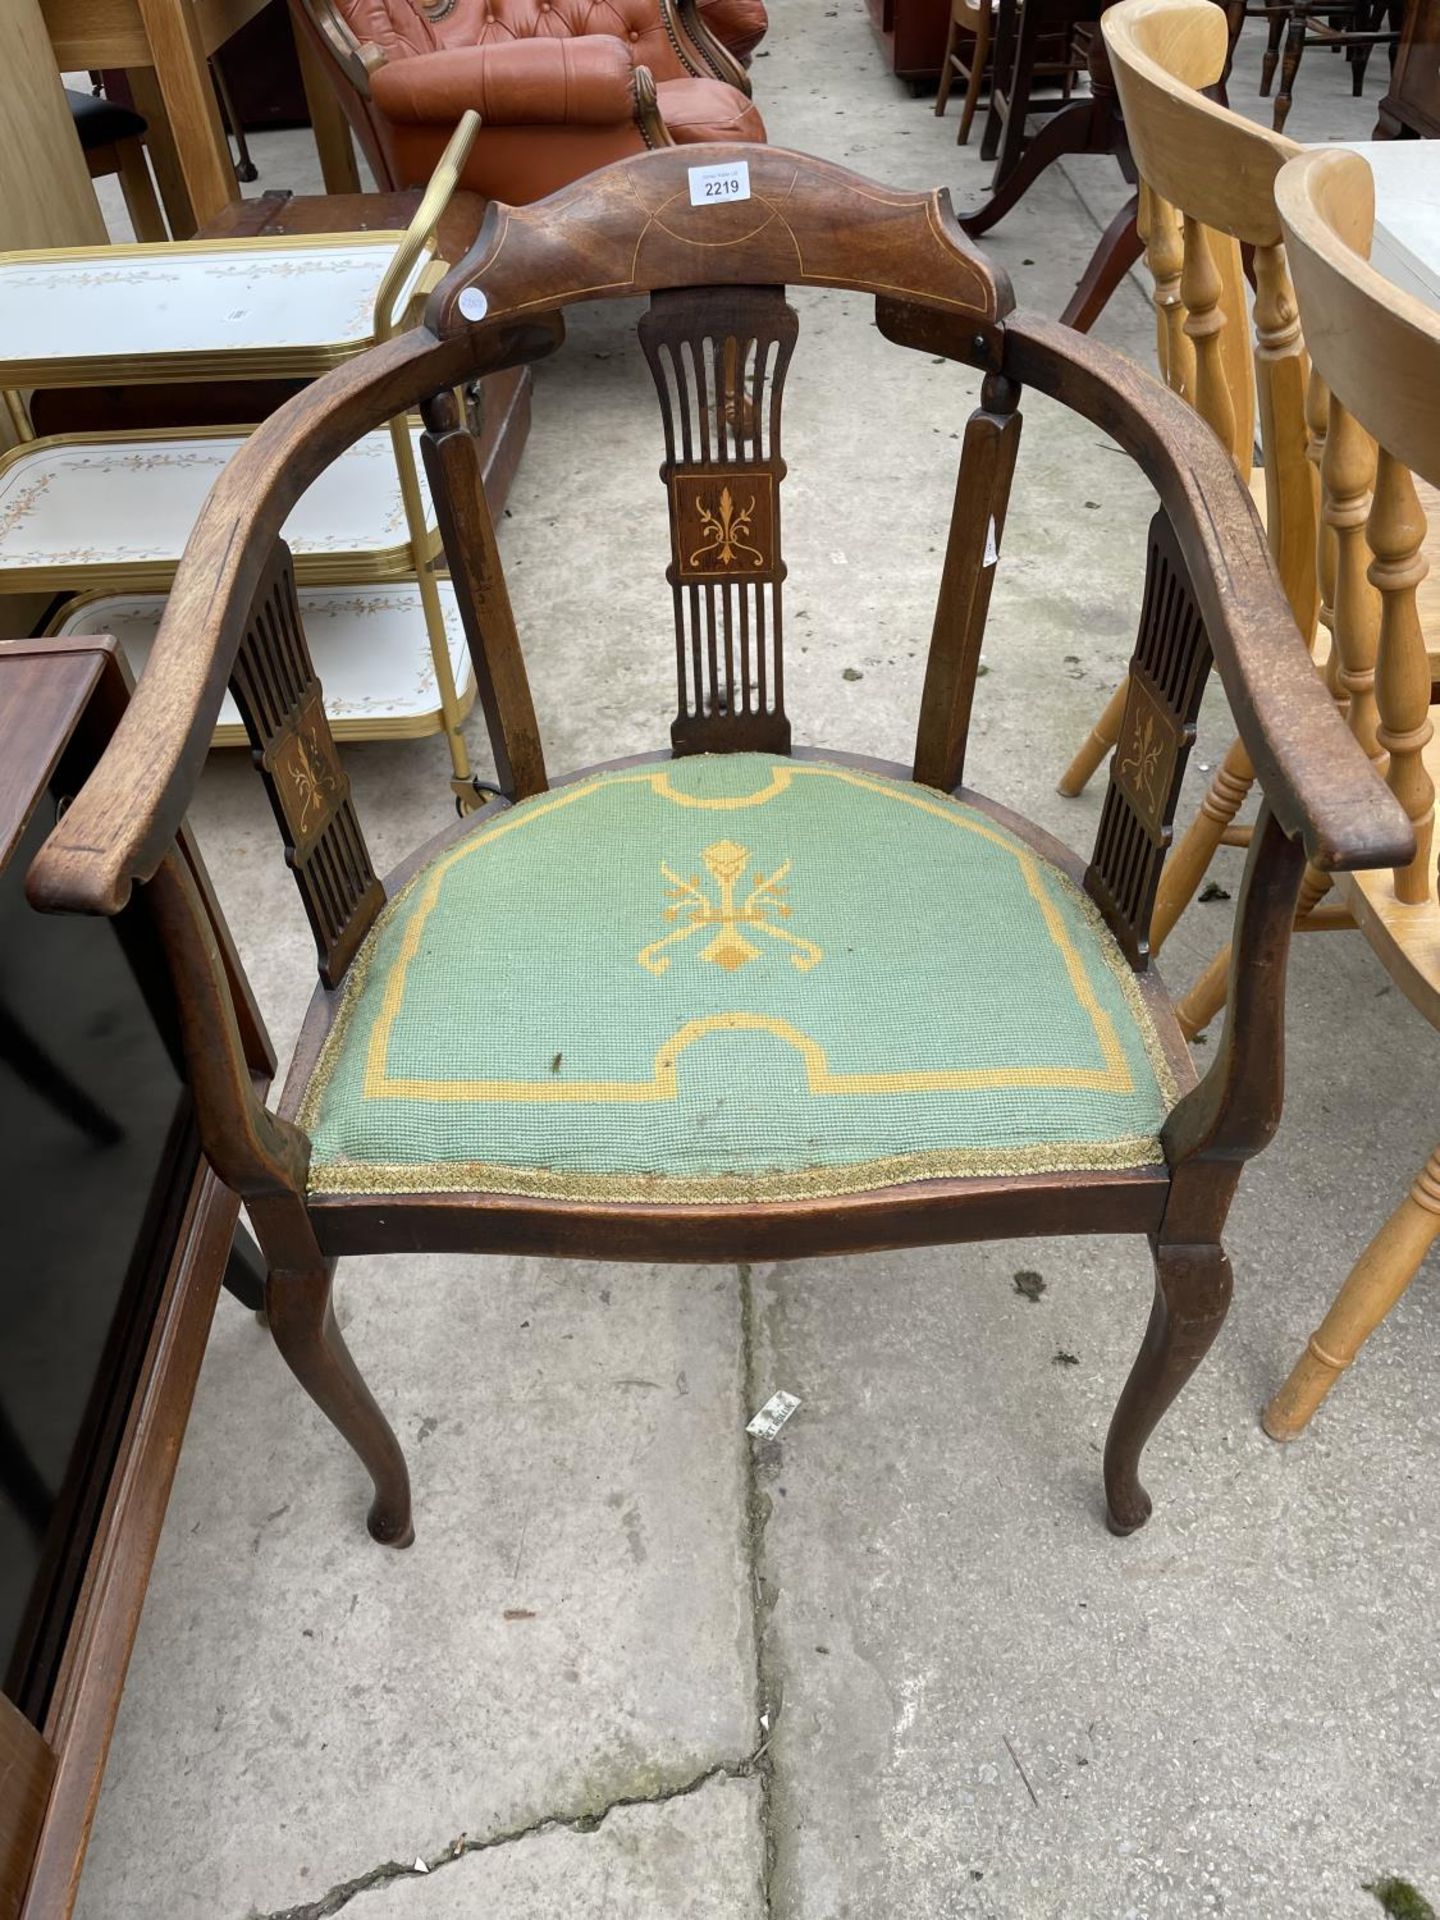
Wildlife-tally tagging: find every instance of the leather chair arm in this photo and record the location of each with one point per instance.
(586, 82)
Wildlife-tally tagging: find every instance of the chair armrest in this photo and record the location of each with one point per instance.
(739, 25)
(586, 82)
(1317, 778)
(700, 48)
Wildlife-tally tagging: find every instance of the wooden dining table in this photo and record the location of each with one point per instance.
(165, 47)
(1406, 247)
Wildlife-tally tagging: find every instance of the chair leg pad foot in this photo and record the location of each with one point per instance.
(1131, 1518)
(1281, 1435)
(391, 1530)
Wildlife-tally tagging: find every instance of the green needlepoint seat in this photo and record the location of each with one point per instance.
(733, 977)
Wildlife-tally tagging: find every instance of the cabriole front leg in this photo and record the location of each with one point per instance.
(302, 1319)
(1192, 1296)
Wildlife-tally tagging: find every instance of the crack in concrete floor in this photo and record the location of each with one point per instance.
(754, 1765)
(769, 1692)
(584, 1821)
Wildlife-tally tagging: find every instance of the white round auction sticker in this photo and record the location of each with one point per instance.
(473, 304)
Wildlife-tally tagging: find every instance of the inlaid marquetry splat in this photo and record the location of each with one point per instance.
(1167, 680)
(280, 701)
(719, 356)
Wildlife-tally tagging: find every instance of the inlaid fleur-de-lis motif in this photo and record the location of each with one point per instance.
(724, 533)
(729, 948)
(1141, 764)
(313, 779)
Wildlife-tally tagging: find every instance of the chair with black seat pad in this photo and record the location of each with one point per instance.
(112, 138)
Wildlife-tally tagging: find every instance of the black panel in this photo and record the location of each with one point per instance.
(97, 1154)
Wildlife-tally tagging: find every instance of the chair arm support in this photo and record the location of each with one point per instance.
(1317, 779)
(125, 818)
(701, 52)
(586, 82)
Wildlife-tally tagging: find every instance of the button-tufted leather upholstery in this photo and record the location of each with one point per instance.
(553, 81)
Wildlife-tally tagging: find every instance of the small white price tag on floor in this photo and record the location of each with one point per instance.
(713, 186)
(773, 1415)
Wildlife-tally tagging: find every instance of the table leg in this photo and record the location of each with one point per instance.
(1116, 251)
(139, 191)
(1066, 131)
(183, 79)
(338, 168)
(145, 90)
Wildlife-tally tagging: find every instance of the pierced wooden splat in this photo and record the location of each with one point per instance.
(719, 356)
(1167, 679)
(276, 689)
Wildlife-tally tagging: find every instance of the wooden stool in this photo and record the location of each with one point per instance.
(973, 17)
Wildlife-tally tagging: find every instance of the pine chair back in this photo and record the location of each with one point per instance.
(1378, 351)
(718, 335)
(1208, 185)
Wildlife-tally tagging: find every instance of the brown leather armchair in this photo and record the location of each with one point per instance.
(738, 24)
(561, 86)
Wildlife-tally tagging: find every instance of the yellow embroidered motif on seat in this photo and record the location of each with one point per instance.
(729, 949)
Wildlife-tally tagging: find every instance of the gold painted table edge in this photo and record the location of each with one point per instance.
(220, 364)
(418, 726)
(340, 566)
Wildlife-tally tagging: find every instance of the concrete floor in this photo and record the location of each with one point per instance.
(890, 1663)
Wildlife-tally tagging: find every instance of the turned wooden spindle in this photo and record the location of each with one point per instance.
(1396, 531)
(1201, 289)
(1096, 744)
(1347, 472)
(1165, 258)
(1281, 378)
(1185, 869)
(1206, 998)
(1190, 324)
(1376, 1282)
(1317, 425)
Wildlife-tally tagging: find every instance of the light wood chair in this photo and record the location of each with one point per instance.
(973, 19)
(1206, 186)
(732, 1000)
(113, 139)
(1206, 171)
(1378, 351)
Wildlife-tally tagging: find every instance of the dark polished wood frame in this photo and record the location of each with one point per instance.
(68, 696)
(630, 230)
(1411, 106)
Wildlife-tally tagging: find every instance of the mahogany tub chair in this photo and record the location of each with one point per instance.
(738, 999)
(561, 86)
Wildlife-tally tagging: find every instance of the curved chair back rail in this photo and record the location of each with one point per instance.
(718, 335)
(1209, 180)
(1375, 346)
(1193, 152)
